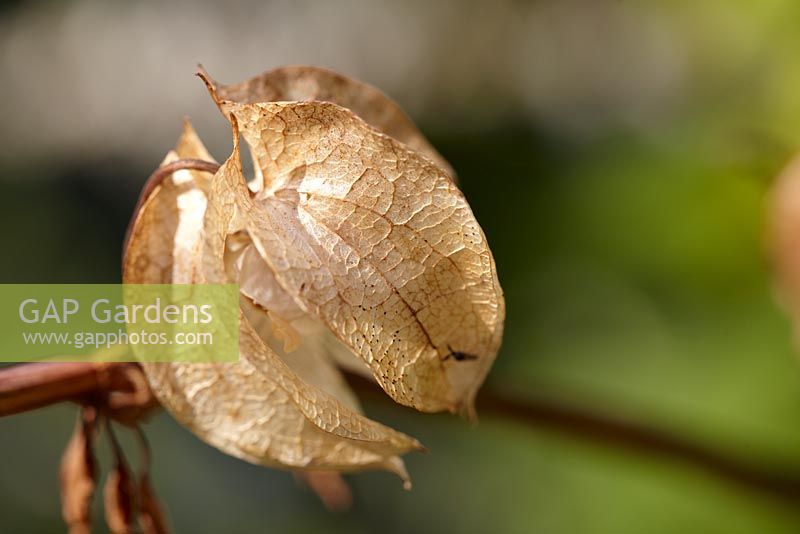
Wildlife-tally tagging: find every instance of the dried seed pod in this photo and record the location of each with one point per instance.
(119, 493)
(78, 474)
(352, 247)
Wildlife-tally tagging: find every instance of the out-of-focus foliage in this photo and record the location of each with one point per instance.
(623, 195)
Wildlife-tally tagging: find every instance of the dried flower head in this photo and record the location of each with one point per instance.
(353, 248)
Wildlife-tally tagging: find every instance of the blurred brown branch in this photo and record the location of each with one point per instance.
(30, 386)
(118, 388)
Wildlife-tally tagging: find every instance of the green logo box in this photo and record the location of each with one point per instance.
(119, 322)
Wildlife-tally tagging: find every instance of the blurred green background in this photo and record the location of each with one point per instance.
(617, 155)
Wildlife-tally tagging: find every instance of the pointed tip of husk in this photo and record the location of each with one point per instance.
(188, 130)
(398, 467)
(466, 410)
(190, 145)
(211, 84)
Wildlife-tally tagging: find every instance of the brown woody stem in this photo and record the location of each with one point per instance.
(30, 386)
(35, 385)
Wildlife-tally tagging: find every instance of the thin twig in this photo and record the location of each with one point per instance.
(30, 386)
(783, 484)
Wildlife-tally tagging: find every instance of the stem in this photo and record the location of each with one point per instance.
(35, 385)
(30, 386)
(781, 483)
